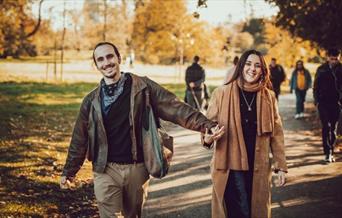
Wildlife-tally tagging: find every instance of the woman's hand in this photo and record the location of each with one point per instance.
(281, 178)
(217, 133)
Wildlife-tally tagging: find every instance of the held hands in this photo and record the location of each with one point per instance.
(217, 133)
(192, 84)
(281, 178)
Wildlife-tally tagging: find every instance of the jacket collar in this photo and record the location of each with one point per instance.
(138, 85)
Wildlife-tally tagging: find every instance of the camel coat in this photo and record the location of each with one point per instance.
(265, 144)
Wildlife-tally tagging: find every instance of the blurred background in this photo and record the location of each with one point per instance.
(52, 40)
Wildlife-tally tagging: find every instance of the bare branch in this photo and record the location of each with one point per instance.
(36, 28)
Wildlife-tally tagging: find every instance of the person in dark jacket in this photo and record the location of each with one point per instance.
(196, 93)
(108, 130)
(327, 90)
(278, 76)
(300, 82)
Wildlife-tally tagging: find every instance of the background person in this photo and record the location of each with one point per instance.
(300, 82)
(327, 95)
(196, 93)
(278, 76)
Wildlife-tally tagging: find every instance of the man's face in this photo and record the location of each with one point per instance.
(299, 65)
(107, 62)
(273, 63)
(333, 60)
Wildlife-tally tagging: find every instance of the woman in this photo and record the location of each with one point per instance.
(300, 82)
(241, 168)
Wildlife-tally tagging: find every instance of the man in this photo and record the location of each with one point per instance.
(277, 76)
(196, 93)
(300, 82)
(108, 131)
(327, 90)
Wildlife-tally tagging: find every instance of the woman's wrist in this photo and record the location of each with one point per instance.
(282, 170)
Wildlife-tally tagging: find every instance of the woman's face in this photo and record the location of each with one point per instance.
(252, 69)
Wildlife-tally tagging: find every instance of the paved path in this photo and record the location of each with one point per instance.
(313, 188)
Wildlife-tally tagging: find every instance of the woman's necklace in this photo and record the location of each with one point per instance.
(250, 104)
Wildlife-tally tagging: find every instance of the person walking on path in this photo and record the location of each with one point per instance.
(300, 83)
(278, 76)
(327, 95)
(196, 93)
(108, 131)
(241, 168)
(231, 70)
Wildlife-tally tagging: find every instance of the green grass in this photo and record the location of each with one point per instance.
(36, 121)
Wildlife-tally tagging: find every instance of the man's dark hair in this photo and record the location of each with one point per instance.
(333, 52)
(273, 59)
(299, 62)
(196, 59)
(107, 43)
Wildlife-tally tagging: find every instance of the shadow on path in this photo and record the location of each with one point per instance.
(313, 187)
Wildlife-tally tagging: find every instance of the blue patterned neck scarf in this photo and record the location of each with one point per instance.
(110, 93)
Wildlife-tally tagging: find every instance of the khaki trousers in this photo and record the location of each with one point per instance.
(121, 190)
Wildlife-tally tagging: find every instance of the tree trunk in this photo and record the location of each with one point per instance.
(62, 46)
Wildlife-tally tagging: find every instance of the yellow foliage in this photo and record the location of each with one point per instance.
(286, 48)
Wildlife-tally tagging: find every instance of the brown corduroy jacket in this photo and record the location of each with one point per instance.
(265, 144)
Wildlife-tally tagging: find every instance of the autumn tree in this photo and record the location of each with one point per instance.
(286, 48)
(158, 29)
(17, 27)
(164, 32)
(255, 27)
(318, 21)
(106, 20)
(44, 38)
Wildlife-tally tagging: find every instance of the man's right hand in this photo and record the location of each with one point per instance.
(192, 85)
(65, 182)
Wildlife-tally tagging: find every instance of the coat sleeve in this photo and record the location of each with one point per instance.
(292, 82)
(316, 86)
(277, 141)
(283, 74)
(187, 76)
(309, 80)
(168, 107)
(79, 142)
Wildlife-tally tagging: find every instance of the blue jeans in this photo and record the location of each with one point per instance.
(300, 99)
